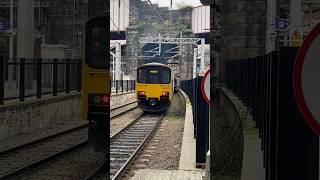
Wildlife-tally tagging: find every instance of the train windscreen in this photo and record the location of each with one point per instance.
(97, 44)
(154, 75)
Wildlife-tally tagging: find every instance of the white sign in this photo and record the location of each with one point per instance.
(306, 79)
(205, 87)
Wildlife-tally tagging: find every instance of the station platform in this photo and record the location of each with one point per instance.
(155, 174)
(187, 164)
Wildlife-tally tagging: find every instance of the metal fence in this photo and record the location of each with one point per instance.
(23, 77)
(200, 111)
(120, 86)
(265, 85)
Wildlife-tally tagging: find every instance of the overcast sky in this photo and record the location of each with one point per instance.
(167, 2)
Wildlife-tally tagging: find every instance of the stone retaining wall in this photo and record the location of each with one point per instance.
(227, 141)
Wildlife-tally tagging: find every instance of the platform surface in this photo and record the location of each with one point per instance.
(154, 174)
(187, 164)
(188, 148)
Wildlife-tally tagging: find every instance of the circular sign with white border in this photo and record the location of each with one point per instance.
(205, 87)
(306, 82)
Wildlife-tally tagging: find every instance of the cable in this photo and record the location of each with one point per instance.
(156, 11)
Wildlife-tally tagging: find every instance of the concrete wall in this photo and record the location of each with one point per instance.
(24, 117)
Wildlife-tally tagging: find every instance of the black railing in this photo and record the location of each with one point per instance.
(200, 111)
(120, 86)
(265, 85)
(23, 78)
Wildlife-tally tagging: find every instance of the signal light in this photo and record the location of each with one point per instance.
(165, 94)
(140, 93)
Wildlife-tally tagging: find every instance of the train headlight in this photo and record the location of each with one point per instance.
(165, 94)
(141, 93)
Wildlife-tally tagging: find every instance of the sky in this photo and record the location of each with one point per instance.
(174, 2)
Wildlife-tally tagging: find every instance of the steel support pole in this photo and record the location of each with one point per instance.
(202, 55)
(11, 28)
(195, 51)
(118, 61)
(270, 26)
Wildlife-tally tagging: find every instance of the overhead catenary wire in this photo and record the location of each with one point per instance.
(157, 13)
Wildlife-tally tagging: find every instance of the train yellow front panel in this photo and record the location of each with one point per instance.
(94, 81)
(154, 90)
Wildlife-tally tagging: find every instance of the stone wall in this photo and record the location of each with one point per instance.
(186, 62)
(24, 117)
(243, 30)
(227, 140)
(141, 11)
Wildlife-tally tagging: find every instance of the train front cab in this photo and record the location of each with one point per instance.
(96, 82)
(154, 88)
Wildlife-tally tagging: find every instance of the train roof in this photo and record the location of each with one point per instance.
(154, 64)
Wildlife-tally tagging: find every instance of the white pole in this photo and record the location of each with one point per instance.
(113, 68)
(118, 61)
(270, 26)
(25, 29)
(195, 52)
(295, 18)
(73, 27)
(39, 14)
(11, 29)
(119, 17)
(202, 55)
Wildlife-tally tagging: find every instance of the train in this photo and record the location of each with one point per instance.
(154, 87)
(95, 92)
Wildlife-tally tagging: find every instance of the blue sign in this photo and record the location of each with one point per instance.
(4, 26)
(281, 24)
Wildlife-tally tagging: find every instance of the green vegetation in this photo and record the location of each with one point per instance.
(182, 5)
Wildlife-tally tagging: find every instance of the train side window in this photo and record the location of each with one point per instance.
(97, 42)
(165, 76)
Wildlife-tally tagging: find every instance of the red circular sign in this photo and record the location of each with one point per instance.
(306, 79)
(205, 87)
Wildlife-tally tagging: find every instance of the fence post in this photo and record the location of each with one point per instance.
(116, 86)
(22, 79)
(38, 77)
(2, 80)
(122, 86)
(67, 80)
(55, 77)
(79, 75)
(127, 85)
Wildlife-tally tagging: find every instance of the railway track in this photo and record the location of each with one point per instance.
(16, 160)
(126, 144)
